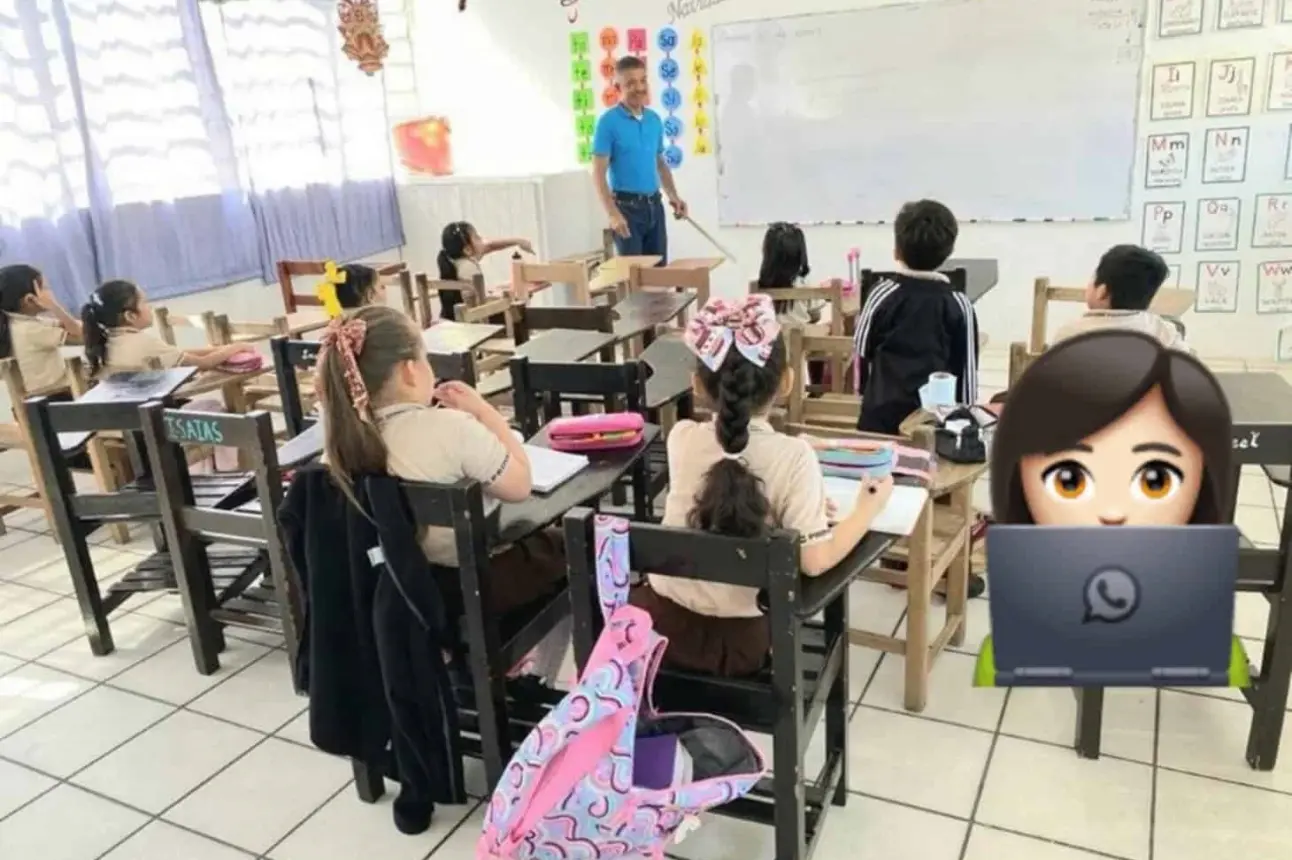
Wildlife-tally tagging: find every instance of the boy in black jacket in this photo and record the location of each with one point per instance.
(914, 324)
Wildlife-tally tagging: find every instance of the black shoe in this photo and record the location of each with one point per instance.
(412, 815)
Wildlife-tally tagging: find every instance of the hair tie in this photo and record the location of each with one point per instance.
(738, 455)
(347, 337)
(750, 325)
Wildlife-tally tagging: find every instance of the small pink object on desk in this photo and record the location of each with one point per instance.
(243, 362)
(596, 432)
(851, 285)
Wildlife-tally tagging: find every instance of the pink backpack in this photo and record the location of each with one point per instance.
(605, 774)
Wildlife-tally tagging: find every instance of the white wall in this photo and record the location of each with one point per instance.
(501, 73)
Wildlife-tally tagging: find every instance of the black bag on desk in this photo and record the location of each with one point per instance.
(967, 446)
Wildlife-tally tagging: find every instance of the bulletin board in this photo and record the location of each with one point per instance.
(1214, 185)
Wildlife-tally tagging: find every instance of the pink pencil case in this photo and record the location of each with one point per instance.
(596, 432)
(243, 362)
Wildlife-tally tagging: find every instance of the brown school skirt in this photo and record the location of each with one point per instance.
(525, 572)
(729, 647)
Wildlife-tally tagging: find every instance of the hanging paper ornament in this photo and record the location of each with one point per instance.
(361, 36)
(699, 68)
(669, 72)
(609, 39)
(585, 121)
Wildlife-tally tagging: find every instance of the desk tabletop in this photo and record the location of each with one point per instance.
(306, 321)
(981, 276)
(616, 271)
(564, 345)
(135, 386)
(709, 263)
(449, 336)
(303, 448)
(671, 364)
(213, 380)
(1261, 406)
(645, 310)
(516, 520)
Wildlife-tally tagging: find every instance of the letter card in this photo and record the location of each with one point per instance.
(1164, 227)
(1217, 287)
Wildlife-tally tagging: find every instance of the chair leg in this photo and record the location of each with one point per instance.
(1090, 720)
(836, 705)
(789, 816)
(919, 555)
(368, 780)
(958, 572)
(1269, 702)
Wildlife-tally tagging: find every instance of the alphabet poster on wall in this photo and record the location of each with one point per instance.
(1173, 276)
(1218, 224)
(1285, 11)
(1172, 91)
(1283, 344)
(1168, 160)
(1224, 155)
(1273, 225)
(1229, 88)
(1279, 96)
(1235, 14)
(1179, 18)
(1217, 291)
(1164, 227)
(1274, 287)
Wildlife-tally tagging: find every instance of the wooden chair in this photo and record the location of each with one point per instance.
(492, 355)
(527, 278)
(540, 391)
(265, 594)
(835, 409)
(167, 323)
(831, 294)
(807, 679)
(417, 290)
(495, 714)
(77, 515)
(289, 269)
(107, 457)
(1168, 302)
(671, 278)
(935, 555)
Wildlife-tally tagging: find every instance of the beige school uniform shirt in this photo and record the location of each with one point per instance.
(36, 341)
(791, 479)
(440, 446)
(467, 268)
(1142, 321)
(131, 349)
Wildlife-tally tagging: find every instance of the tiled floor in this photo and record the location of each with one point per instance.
(136, 757)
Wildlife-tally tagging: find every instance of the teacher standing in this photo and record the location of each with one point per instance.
(629, 169)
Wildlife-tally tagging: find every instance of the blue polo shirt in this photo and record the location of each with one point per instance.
(633, 145)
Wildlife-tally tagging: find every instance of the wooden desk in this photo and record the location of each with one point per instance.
(555, 346)
(615, 271)
(981, 276)
(301, 449)
(1172, 302)
(671, 365)
(709, 263)
(132, 387)
(447, 336)
(517, 520)
(642, 312)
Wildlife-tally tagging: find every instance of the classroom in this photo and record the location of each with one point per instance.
(576, 428)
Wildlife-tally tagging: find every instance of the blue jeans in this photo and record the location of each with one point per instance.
(647, 226)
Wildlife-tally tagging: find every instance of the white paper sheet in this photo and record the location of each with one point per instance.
(550, 469)
(897, 518)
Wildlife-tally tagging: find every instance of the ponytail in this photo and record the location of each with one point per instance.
(106, 310)
(785, 260)
(16, 283)
(361, 352)
(455, 241)
(359, 287)
(732, 500)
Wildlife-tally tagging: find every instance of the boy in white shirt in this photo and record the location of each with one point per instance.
(1125, 283)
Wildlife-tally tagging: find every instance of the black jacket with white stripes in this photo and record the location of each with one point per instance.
(912, 325)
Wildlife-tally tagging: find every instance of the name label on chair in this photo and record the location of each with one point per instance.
(200, 430)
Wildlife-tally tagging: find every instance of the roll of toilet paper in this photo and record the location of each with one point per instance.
(942, 389)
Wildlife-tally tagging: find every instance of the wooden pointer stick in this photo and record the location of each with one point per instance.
(712, 241)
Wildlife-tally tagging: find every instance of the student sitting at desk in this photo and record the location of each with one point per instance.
(1125, 283)
(461, 250)
(376, 388)
(737, 476)
(115, 320)
(33, 326)
(913, 324)
(350, 287)
(785, 266)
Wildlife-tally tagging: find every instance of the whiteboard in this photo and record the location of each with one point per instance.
(1002, 109)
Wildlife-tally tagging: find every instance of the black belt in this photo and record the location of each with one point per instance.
(633, 197)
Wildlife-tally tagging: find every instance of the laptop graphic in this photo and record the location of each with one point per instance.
(1112, 605)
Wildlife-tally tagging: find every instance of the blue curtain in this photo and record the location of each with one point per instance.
(135, 142)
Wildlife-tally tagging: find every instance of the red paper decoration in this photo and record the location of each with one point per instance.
(361, 31)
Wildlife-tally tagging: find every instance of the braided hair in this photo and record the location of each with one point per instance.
(731, 500)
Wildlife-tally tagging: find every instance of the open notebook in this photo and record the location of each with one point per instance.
(897, 518)
(550, 469)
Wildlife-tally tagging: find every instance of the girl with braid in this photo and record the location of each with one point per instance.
(737, 476)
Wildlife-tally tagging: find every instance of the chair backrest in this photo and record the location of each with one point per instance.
(525, 277)
(190, 528)
(227, 332)
(832, 412)
(671, 278)
(417, 299)
(289, 269)
(531, 319)
(829, 293)
(167, 322)
(1168, 302)
(291, 356)
(1020, 359)
(539, 388)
